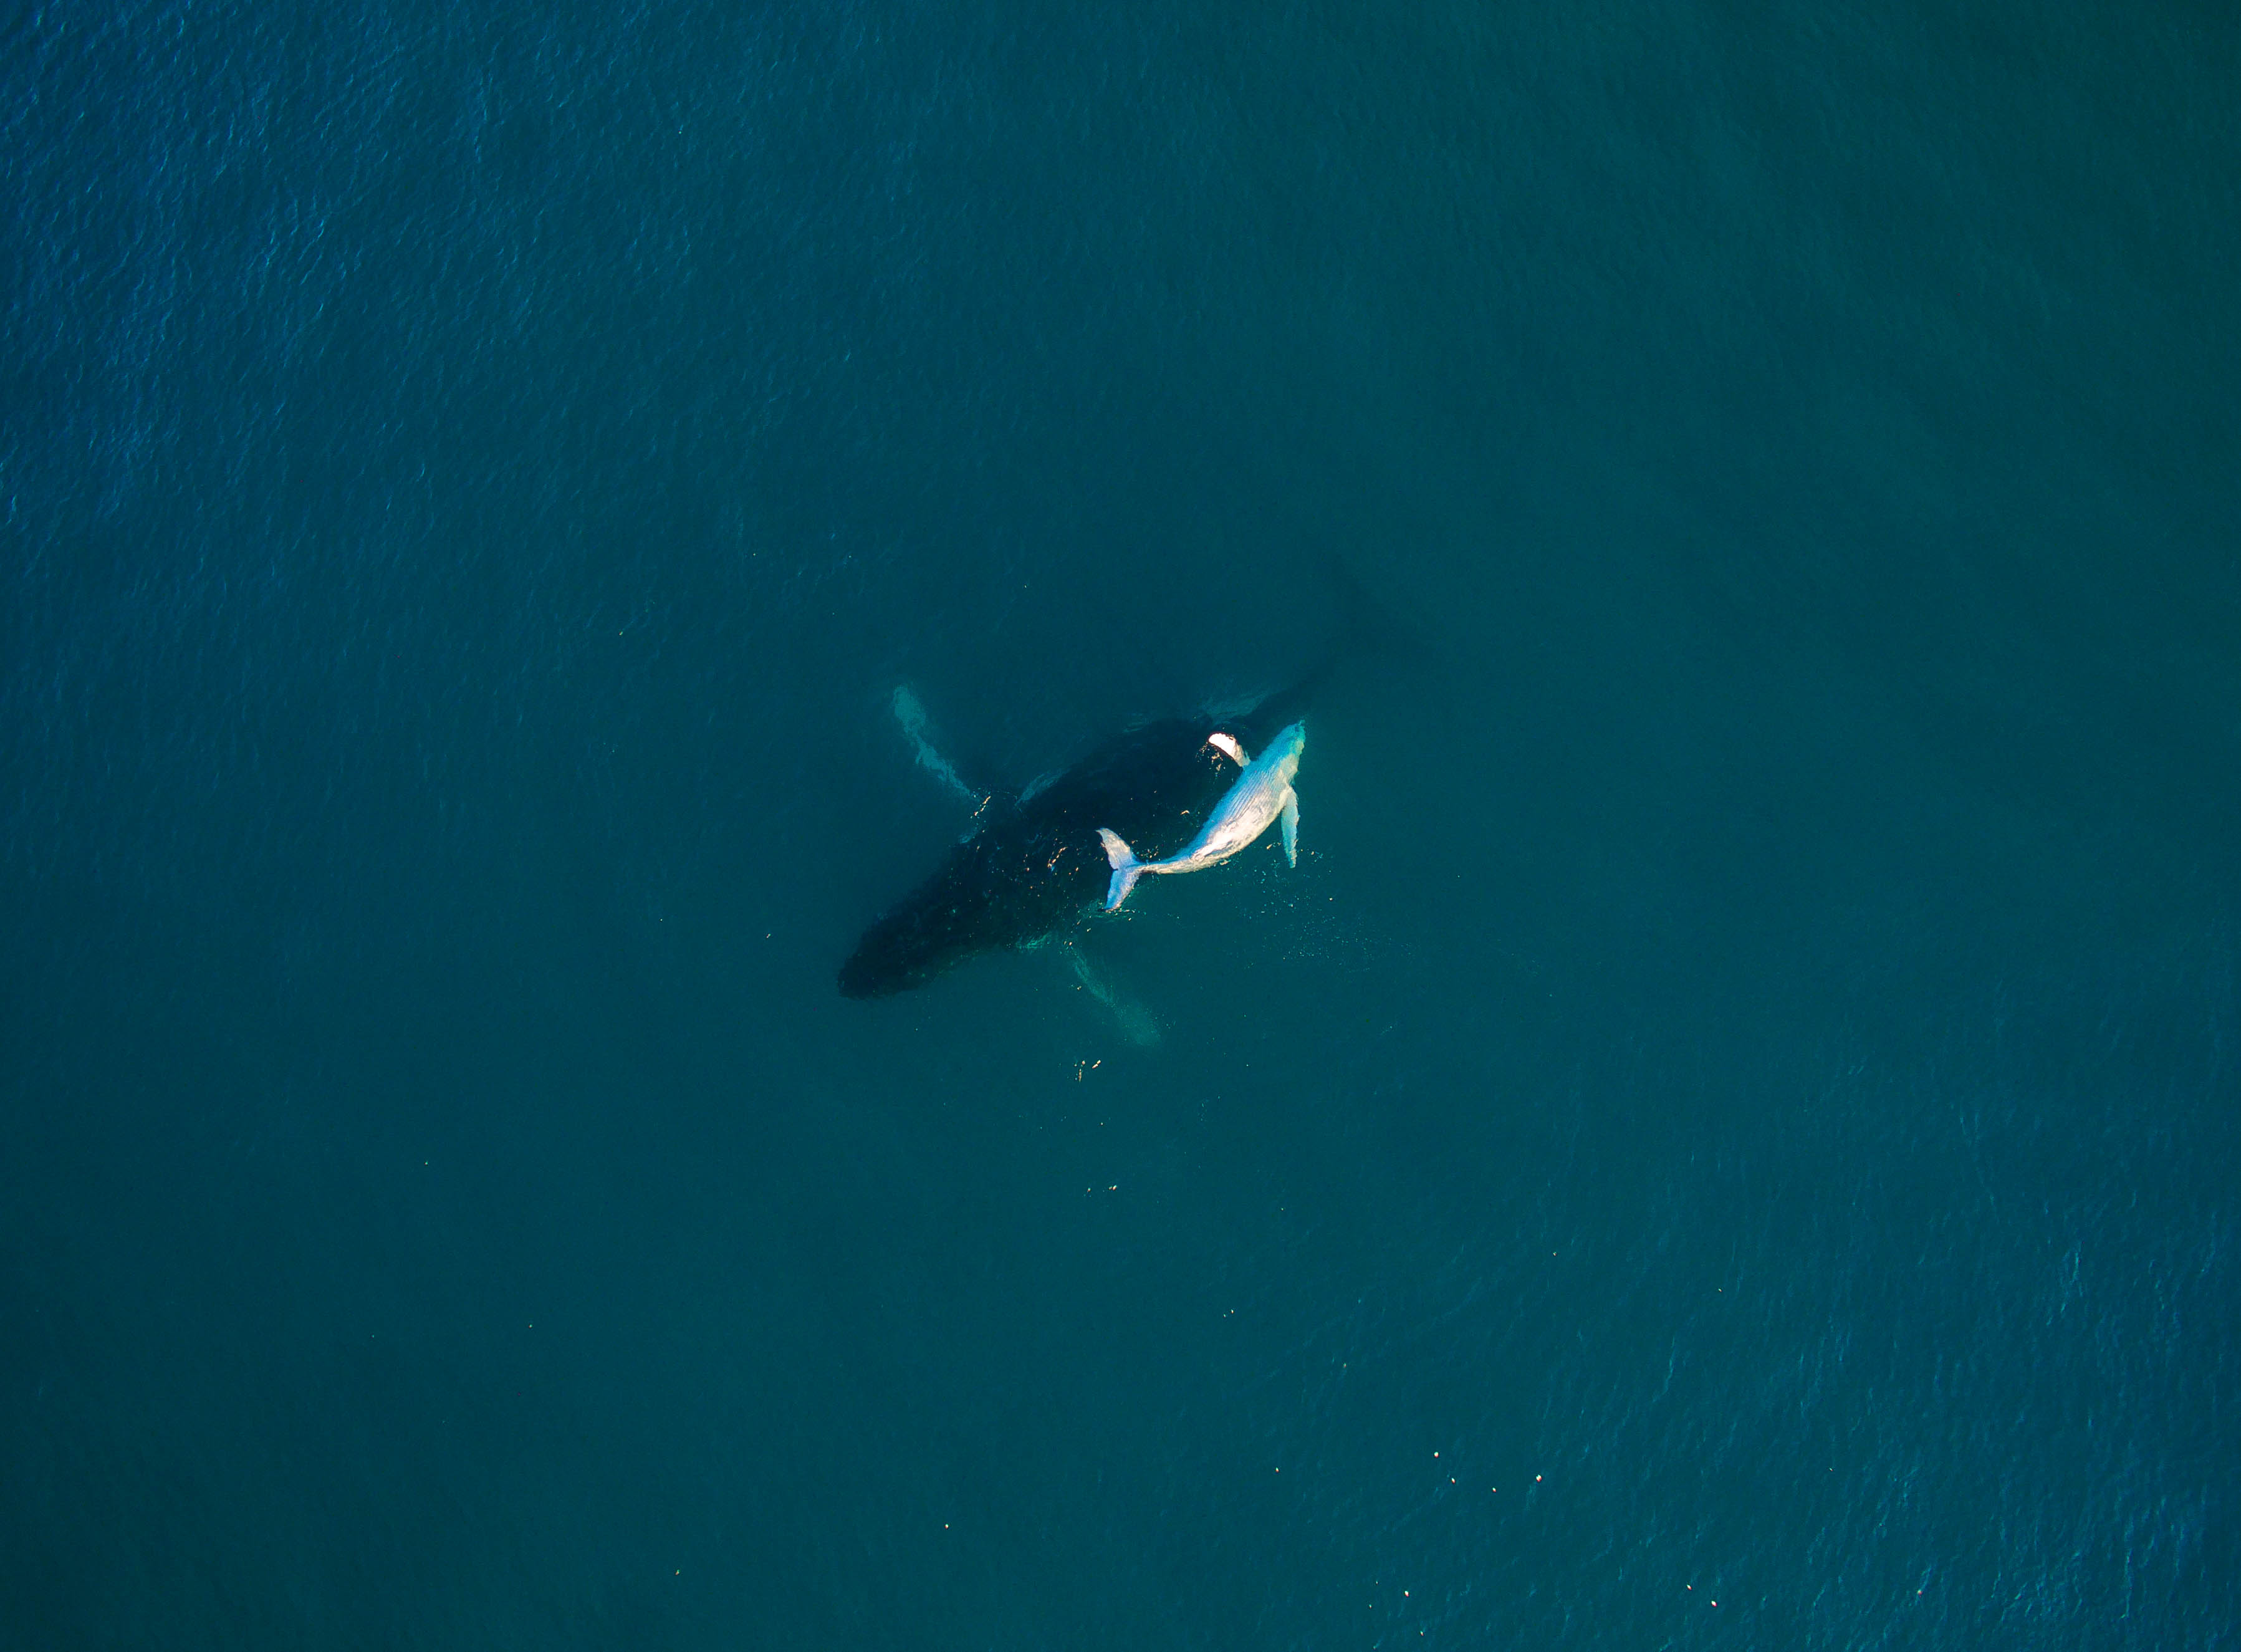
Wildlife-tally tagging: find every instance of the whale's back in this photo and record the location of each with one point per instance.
(1037, 866)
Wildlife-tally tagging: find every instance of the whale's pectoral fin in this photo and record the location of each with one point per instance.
(1137, 1023)
(1290, 819)
(911, 716)
(1228, 744)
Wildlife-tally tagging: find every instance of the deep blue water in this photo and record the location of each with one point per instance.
(1731, 1136)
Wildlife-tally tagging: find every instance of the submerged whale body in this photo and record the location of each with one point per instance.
(1039, 864)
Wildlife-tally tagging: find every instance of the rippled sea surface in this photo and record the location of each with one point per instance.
(1731, 1135)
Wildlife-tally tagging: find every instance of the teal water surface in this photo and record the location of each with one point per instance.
(1727, 1138)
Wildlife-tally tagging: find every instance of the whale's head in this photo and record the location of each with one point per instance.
(1283, 752)
(982, 899)
(908, 947)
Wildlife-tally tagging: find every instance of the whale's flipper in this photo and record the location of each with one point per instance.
(911, 716)
(1228, 744)
(1126, 868)
(1290, 819)
(1137, 1023)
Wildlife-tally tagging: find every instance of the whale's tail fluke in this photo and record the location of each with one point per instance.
(1126, 868)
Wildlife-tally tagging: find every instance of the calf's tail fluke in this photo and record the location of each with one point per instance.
(1126, 868)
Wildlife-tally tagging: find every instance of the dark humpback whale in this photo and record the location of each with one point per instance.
(1038, 864)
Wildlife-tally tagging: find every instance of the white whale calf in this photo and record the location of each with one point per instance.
(1262, 793)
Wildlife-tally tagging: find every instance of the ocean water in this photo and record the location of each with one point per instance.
(1730, 1135)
